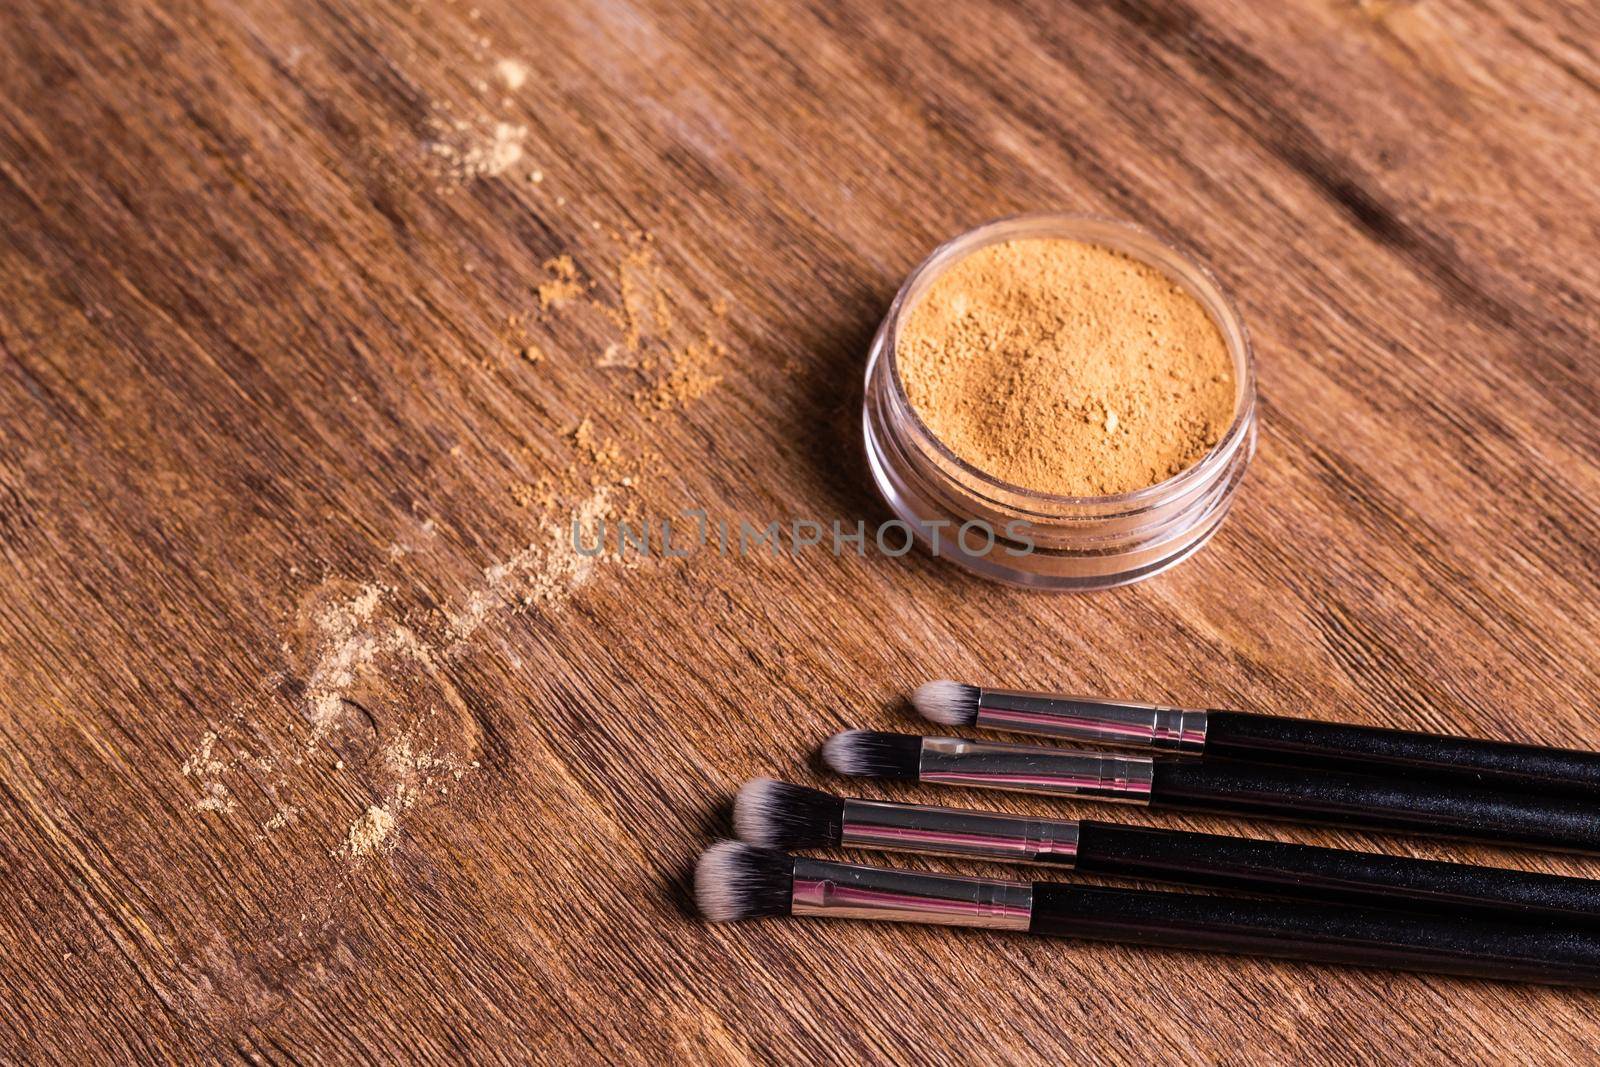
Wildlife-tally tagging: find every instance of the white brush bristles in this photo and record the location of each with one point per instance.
(753, 810)
(950, 703)
(716, 882)
(843, 752)
(736, 881)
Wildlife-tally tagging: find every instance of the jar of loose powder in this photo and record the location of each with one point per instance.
(1060, 402)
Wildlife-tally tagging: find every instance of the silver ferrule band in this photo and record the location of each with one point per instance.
(848, 891)
(1110, 722)
(1031, 769)
(954, 832)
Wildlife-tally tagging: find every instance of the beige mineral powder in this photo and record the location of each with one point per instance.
(1065, 367)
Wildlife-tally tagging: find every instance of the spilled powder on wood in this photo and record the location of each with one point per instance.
(202, 761)
(203, 765)
(680, 364)
(545, 572)
(345, 646)
(690, 377)
(371, 832)
(512, 73)
(467, 152)
(415, 772)
(217, 798)
(605, 453)
(505, 149)
(357, 640)
(406, 759)
(562, 283)
(615, 355)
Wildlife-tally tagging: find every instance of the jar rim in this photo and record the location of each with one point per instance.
(1000, 229)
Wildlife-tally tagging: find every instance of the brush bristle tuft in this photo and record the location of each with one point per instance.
(779, 815)
(950, 703)
(736, 881)
(871, 754)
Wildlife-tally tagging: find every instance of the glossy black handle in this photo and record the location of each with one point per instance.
(1370, 749)
(1331, 874)
(1329, 933)
(1408, 805)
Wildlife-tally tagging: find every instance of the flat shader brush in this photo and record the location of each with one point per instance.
(780, 815)
(1406, 805)
(1257, 738)
(737, 881)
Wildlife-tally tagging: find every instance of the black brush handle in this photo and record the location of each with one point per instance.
(1369, 749)
(1408, 805)
(1330, 874)
(1327, 933)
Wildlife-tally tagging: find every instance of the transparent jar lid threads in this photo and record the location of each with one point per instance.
(1075, 386)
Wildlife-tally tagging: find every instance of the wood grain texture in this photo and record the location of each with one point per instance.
(315, 746)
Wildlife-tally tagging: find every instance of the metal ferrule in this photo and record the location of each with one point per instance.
(1110, 722)
(953, 832)
(848, 891)
(1031, 769)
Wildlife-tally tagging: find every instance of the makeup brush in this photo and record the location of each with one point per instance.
(1256, 738)
(737, 881)
(1409, 805)
(781, 815)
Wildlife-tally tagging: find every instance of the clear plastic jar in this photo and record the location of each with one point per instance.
(1077, 543)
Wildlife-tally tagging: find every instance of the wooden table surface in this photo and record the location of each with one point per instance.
(320, 320)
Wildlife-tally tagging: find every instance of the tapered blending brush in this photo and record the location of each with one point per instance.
(1257, 738)
(737, 881)
(1404, 804)
(784, 816)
